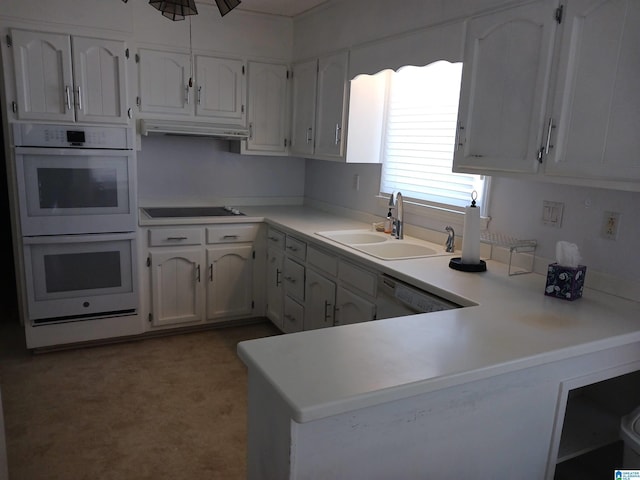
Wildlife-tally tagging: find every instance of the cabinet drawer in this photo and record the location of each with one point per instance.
(358, 278)
(175, 236)
(322, 260)
(293, 279)
(293, 316)
(275, 238)
(295, 247)
(231, 233)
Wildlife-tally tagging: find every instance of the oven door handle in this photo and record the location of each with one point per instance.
(93, 237)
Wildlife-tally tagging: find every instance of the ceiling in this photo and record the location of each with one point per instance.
(287, 8)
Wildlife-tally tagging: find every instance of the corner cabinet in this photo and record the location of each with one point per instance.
(507, 64)
(596, 108)
(69, 78)
(320, 107)
(216, 91)
(310, 288)
(201, 274)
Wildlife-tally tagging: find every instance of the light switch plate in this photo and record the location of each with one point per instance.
(552, 213)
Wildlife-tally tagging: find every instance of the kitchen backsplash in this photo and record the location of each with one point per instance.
(515, 209)
(191, 170)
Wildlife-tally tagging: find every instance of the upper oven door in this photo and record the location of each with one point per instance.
(64, 191)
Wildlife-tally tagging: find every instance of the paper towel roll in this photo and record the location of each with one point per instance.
(471, 235)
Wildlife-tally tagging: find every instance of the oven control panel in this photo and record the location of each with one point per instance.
(72, 136)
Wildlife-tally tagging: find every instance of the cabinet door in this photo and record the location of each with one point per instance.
(230, 280)
(99, 68)
(43, 75)
(176, 286)
(275, 290)
(597, 102)
(320, 301)
(507, 63)
(351, 308)
(304, 107)
(267, 107)
(293, 320)
(293, 279)
(220, 89)
(331, 105)
(164, 82)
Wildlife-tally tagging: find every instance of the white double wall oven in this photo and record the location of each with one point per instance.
(76, 194)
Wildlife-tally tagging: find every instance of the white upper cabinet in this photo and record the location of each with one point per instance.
(220, 89)
(305, 76)
(164, 82)
(216, 92)
(507, 63)
(320, 107)
(331, 106)
(596, 109)
(267, 108)
(64, 78)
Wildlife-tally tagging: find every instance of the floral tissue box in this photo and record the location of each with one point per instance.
(565, 282)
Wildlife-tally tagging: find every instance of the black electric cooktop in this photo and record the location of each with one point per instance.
(181, 212)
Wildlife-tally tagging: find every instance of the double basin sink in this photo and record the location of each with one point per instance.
(384, 246)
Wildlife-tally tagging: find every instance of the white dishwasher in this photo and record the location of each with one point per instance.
(397, 299)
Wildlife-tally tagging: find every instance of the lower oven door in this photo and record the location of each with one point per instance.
(77, 277)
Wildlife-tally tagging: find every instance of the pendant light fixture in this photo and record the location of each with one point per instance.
(225, 6)
(175, 9)
(178, 9)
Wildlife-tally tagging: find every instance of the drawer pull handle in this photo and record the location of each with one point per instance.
(292, 248)
(278, 281)
(291, 318)
(274, 239)
(228, 237)
(289, 278)
(327, 305)
(176, 239)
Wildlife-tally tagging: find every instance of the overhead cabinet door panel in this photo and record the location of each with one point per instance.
(504, 89)
(597, 102)
(99, 69)
(44, 81)
(164, 82)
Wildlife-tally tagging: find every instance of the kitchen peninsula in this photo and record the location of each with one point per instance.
(440, 395)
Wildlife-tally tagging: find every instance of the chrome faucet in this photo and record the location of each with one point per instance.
(450, 239)
(399, 222)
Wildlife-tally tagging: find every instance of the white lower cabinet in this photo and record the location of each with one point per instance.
(192, 282)
(309, 288)
(177, 295)
(275, 289)
(320, 301)
(293, 318)
(229, 273)
(353, 308)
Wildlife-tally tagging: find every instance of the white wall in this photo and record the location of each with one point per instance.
(192, 170)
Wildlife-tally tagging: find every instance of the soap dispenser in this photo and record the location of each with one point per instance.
(388, 222)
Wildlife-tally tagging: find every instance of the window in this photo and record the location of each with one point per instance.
(420, 130)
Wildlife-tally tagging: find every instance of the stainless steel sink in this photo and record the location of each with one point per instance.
(384, 246)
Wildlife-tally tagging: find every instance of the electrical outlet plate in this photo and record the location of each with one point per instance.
(552, 213)
(610, 225)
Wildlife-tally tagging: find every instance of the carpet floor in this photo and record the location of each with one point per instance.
(169, 407)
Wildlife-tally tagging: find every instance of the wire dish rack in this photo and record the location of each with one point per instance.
(514, 245)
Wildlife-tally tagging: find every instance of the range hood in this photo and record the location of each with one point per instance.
(200, 129)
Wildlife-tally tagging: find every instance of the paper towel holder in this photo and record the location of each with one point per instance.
(456, 264)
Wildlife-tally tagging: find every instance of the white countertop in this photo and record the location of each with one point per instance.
(512, 326)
